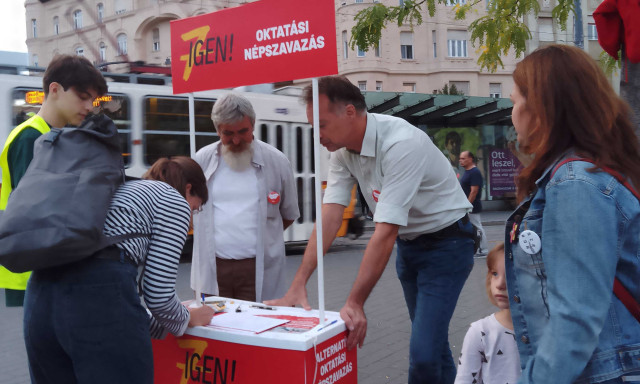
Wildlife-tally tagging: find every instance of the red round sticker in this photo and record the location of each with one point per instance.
(375, 195)
(273, 197)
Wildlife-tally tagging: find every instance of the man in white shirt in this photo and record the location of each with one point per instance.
(417, 203)
(238, 247)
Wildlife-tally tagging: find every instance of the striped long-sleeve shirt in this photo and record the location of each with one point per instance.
(158, 211)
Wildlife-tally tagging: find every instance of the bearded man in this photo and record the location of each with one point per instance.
(238, 247)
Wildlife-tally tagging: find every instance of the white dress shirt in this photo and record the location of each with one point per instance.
(404, 177)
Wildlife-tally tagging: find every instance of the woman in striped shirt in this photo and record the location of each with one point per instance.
(89, 325)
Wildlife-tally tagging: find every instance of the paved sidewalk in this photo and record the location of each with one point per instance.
(384, 357)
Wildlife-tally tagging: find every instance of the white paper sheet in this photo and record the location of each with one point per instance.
(245, 322)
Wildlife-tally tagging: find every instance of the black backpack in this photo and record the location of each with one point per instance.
(57, 212)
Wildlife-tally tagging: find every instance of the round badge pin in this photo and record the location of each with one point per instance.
(273, 197)
(530, 242)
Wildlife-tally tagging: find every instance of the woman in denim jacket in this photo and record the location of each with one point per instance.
(577, 227)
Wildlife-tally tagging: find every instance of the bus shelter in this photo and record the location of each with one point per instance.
(457, 123)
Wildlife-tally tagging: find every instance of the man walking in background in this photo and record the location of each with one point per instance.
(471, 183)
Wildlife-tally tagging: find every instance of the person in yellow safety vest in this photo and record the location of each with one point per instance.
(70, 84)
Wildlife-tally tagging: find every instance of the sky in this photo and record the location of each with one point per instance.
(12, 26)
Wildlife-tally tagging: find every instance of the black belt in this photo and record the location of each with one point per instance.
(114, 253)
(450, 231)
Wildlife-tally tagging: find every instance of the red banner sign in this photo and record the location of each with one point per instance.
(261, 42)
(190, 360)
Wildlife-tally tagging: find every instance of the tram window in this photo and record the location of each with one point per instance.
(264, 133)
(313, 199)
(27, 101)
(299, 151)
(117, 108)
(313, 158)
(279, 139)
(300, 189)
(203, 141)
(166, 126)
(157, 146)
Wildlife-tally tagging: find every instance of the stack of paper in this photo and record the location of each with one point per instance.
(245, 322)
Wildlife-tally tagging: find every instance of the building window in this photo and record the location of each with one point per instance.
(362, 85)
(460, 86)
(359, 1)
(457, 43)
(377, 50)
(103, 52)
(34, 59)
(80, 51)
(122, 44)
(56, 25)
(495, 90)
(379, 86)
(100, 9)
(451, 3)
(345, 45)
(156, 39)
(120, 7)
(34, 28)
(545, 29)
(435, 47)
(401, 3)
(77, 19)
(457, 48)
(361, 52)
(592, 32)
(409, 87)
(406, 45)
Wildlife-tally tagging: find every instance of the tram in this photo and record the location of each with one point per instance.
(153, 122)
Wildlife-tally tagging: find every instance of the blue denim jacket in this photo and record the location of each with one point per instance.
(569, 325)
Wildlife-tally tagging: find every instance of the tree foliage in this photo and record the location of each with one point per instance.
(501, 30)
(608, 64)
(449, 91)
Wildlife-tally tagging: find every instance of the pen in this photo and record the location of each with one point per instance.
(203, 298)
(261, 307)
(331, 323)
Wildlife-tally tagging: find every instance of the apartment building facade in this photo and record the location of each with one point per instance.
(420, 58)
(410, 58)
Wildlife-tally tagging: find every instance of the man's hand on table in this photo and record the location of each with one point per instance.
(291, 298)
(356, 322)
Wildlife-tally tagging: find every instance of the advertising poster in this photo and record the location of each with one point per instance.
(453, 141)
(503, 168)
(261, 42)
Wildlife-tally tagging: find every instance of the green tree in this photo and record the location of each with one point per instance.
(449, 91)
(500, 30)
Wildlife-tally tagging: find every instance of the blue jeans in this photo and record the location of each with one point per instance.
(83, 323)
(432, 273)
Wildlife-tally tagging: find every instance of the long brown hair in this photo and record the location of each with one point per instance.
(178, 171)
(573, 106)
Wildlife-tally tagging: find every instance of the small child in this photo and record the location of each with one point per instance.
(489, 351)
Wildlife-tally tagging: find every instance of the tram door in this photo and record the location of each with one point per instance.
(295, 140)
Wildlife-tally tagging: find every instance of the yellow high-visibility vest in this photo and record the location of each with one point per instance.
(9, 279)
